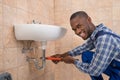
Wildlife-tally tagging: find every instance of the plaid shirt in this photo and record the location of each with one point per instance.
(107, 48)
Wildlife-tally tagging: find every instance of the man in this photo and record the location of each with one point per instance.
(106, 44)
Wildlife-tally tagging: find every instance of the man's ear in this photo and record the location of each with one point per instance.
(89, 19)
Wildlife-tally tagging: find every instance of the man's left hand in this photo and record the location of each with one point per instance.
(68, 59)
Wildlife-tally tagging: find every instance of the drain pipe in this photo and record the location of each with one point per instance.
(36, 62)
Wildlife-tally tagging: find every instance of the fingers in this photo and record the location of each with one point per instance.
(56, 62)
(62, 56)
(56, 56)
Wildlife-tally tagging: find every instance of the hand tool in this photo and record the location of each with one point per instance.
(53, 58)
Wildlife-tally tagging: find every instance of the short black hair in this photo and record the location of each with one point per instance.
(80, 14)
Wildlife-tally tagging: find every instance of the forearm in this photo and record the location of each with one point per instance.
(80, 49)
(102, 58)
(68, 60)
(65, 54)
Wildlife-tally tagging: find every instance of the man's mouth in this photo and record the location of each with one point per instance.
(82, 34)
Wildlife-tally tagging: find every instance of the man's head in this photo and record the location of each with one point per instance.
(81, 24)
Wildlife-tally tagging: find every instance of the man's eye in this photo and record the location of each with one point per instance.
(78, 26)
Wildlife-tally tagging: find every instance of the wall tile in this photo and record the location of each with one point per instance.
(57, 47)
(108, 23)
(11, 3)
(35, 6)
(9, 39)
(60, 71)
(50, 5)
(10, 58)
(116, 13)
(49, 75)
(99, 14)
(94, 14)
(115, 26)
(21, 16)
(1, 36)
(23, 72)
(1, 60)
(69, 39)
(42, 77)
(107, 15)
(1, 14)
(0, 1)
(116, 3)
(22, 4)
(51, 16)
(63, 71)
(62, 19)
(77, 5)
(97, 4)
(21, 57)
(49, 68)
(9, 15)
(82, 75)
(104, 3)
(77, 41)
(90, 4)
(50, 48)
(66, 5)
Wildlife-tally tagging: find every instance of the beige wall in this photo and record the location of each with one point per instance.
(18, 12)
(48, 12)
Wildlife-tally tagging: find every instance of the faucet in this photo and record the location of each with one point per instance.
(34, 22)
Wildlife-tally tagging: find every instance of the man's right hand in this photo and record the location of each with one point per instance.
(56, 56)
(59, 56)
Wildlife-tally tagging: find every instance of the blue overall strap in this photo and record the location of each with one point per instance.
(102, 33)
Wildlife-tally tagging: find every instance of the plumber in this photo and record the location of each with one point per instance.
(100, 52)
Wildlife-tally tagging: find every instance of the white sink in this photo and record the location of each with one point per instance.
(38, 32)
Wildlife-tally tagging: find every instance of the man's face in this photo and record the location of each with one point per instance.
(81, 27)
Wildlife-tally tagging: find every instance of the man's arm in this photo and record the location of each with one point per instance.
(80, 49)
(77, 51)
(102, 58)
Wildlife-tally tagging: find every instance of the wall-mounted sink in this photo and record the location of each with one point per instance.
(38, 32)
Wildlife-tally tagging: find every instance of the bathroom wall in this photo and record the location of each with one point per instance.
(12, 60)
(56, 12)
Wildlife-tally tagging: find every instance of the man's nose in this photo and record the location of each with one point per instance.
(78, 31)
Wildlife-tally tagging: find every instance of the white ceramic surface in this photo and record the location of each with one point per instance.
(38, 32)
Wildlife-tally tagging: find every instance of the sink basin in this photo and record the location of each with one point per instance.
(38, 32)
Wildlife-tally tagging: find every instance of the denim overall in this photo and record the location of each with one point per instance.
(113, 70)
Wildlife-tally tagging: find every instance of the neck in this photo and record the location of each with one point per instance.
(92, 28)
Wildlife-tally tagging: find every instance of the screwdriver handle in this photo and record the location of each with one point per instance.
(53, 58)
